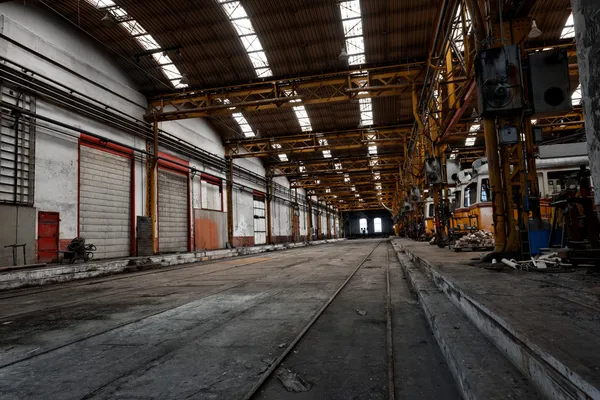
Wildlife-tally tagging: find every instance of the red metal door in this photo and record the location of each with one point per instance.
(48, 236)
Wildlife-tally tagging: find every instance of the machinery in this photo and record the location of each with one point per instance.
(78, 250)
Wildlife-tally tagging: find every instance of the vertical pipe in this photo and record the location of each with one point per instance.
(269, 218)
(230, 203)
(491, 152)
(586, 16)
(309, 219)
(153, 185)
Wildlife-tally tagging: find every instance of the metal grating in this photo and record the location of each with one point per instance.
(17, 149)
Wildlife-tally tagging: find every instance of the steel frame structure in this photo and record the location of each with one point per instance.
(286, 92)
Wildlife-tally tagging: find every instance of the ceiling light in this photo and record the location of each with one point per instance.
(344, 55)
(535, 32)
(184, 80)
(108, 21)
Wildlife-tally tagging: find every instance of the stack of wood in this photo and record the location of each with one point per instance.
(479, 239)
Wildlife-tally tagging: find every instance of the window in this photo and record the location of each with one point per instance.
(352, 24)
(377, 225)
(559, 180)
(243, 26)
(363, 225)
(470, 195)
(485, 190)
(17, 151)
(211, 195)
(430, 210)
(457, 199)
(568, 31)
(144, 39)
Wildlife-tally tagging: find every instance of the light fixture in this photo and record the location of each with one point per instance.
(108, 21)
(535, 32)
(344, 55)
(184, 80)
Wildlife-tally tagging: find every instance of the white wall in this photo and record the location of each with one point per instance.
(56, 187)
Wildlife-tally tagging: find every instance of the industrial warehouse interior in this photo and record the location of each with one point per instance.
(299, 199)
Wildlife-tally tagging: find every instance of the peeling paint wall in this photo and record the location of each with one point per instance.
(586, 15)
(57, 158)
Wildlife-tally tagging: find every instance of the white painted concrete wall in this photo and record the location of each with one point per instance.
(56, 189)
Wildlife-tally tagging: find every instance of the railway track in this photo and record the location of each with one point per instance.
(372, 277)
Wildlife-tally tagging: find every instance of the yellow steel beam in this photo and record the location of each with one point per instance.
(387, 136)
(268, 94)
(337, 166)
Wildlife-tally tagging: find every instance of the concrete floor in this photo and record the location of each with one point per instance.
(558, 313)
(209, 331)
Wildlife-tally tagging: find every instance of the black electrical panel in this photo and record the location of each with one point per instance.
(549, 82)
(499, 81)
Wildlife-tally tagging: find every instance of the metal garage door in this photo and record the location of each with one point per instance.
(173, 212)
(105, 202)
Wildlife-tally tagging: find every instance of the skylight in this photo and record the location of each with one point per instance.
(327, 190)
(346, 179)
(276, 146)
(568, 31)
(243, 26)
(283, 158)
(327, 153)
(366, 111)
(457, 29)
(473, 130)
(576, 97)
(144, 39)
(353, 31)
(244, 125)
(302, 168)
(337, 165)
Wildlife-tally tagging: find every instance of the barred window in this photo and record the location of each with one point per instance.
(17, 147)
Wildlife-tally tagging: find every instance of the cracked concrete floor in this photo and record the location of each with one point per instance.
(209, 331)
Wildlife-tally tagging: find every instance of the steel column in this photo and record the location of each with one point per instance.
(586, 15)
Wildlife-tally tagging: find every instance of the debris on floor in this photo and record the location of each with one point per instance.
(476, 240)
(542, 263)
(293, 382)
(361, 312)
(282, 345)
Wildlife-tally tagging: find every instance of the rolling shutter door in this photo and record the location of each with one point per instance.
(172, 212)
(105, 202)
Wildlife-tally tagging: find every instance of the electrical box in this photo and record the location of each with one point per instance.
(499, 83)
(508, 135)
(452, 171)
(549, 82)
(537, 135)
(433, 171)
(415, 195)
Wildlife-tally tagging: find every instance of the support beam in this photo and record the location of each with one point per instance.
(586, 15)
(491, 151)
(270, 94)
(269, 214)
(309, 219)
(152, 177)
(230, 203)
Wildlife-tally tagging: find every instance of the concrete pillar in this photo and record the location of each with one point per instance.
(586, 15)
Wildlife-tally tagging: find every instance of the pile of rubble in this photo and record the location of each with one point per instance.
(479, 239)
(544, 262)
